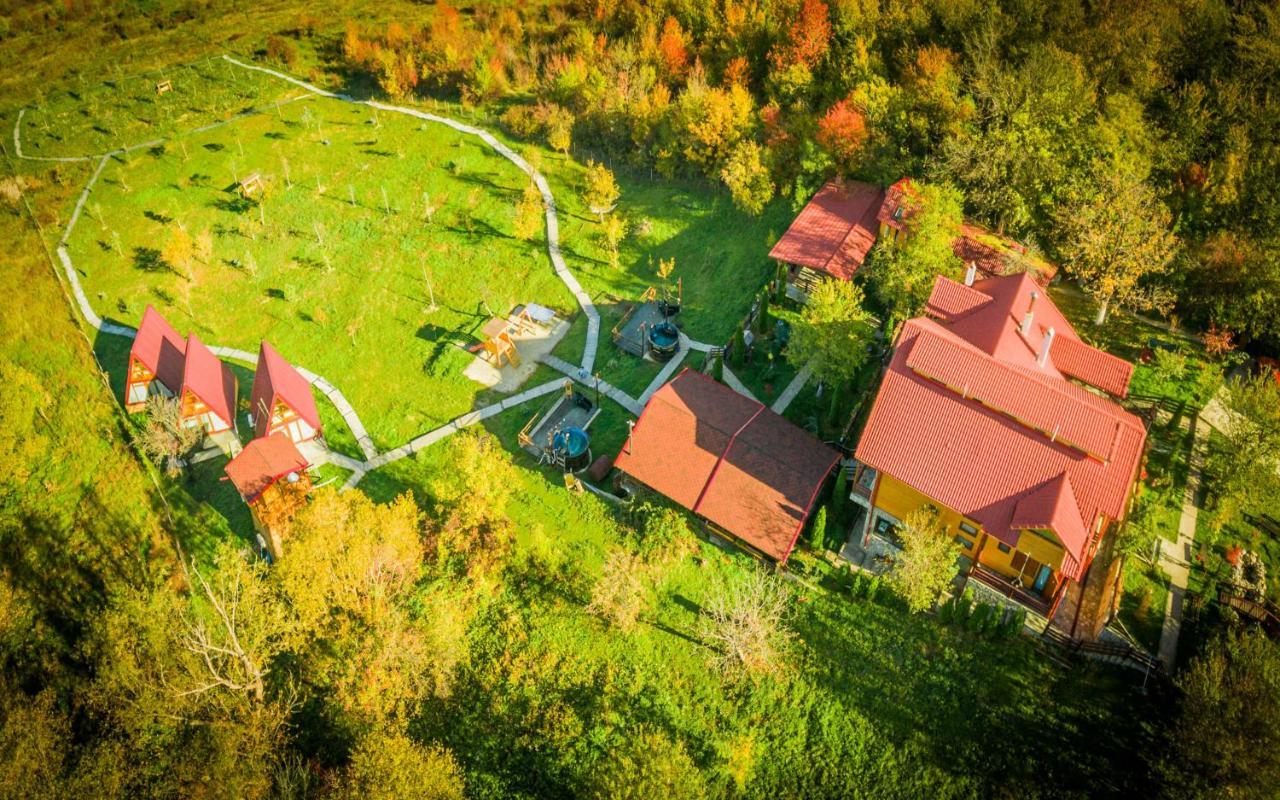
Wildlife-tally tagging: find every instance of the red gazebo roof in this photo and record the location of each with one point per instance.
(729, 459)
(835, 230)
(275, 379)
(263, 462)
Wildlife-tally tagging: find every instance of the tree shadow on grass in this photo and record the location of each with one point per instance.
(148, 259)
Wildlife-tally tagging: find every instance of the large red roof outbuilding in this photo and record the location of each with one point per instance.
(729, 459)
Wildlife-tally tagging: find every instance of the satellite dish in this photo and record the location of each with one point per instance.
(292, 477)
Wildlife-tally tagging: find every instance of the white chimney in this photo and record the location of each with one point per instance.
(1030, 315)
(1044, 347)
(971, 274)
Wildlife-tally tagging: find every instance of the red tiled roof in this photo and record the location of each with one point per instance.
(835, 230)
(729, 459)
(1052, 506)
(276, 379)
(1043, 404)
(160, 349)
(209, 379)
(895, 209)
(966, 416)
(263, 462)
(950, 300)
(973, 246)
(1078, 360)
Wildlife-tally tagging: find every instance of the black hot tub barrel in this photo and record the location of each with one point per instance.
(664, 341)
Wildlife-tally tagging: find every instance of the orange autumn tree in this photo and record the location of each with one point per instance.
(842, 132)
(807, 39)
(673, 46)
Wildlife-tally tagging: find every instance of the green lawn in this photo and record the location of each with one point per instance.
(124, 110)
(338, 287)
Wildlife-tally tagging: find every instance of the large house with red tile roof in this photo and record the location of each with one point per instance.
(208, 396)
(729, 459)
(996, 416)
(156, 361)
(831, 236)
(282, 399)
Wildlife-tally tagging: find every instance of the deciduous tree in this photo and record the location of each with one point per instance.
(904, 272)
(926, 563)
(388, 765)
(745, 620)
(748, 178)
(833, 333)
(1227, 739)
(1117, 238)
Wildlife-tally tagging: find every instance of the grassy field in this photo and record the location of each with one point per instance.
(333, 265)
(125, 109)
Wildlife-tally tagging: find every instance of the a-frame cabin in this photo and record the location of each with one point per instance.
(156, 361)
(282, 399)
(208, 390)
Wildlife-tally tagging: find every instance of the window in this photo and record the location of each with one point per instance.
(138, 393)
(963, 542)
(972, 530)
(1003, 548)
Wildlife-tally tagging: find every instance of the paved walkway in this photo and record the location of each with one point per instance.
(793, 389)
(1175, 559)
(735, 384)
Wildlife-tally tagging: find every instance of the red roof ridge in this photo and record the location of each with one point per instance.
(1052, 506)
(160, 348)
(729, 446)
(209, 379)
(1033, 400)
(275, 378)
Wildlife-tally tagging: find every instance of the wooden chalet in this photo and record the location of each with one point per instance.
(282, 399)
(729, 459)
(156, 361)
(208, 396)
(270, 475)
(831, 236)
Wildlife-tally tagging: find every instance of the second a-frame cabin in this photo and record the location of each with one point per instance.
(208, 398)
(156, 361)
(282, 399)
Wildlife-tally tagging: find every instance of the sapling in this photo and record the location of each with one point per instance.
(351, 193)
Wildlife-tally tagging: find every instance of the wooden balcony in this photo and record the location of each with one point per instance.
(1010, 588)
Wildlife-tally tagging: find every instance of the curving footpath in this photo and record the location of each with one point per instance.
(374, 458)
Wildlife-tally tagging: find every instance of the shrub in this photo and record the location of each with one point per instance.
(818, 531)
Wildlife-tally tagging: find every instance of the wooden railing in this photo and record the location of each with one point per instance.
(1000, 583)
(1110, 652)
